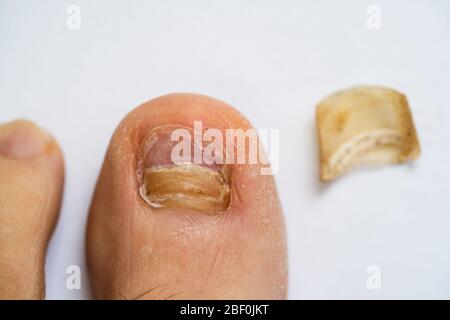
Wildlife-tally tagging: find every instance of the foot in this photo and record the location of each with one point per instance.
(165, 229)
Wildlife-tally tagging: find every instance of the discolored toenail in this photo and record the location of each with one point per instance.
(173, 172)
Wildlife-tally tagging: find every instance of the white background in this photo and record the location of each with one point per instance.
(273, 60)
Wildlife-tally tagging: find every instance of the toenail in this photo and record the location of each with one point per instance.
(22, 139)
(172, 174)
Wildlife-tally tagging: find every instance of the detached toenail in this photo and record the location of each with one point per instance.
(174, 172)
(22, 139)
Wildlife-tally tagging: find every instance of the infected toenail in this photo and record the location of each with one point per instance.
(22, 139)
(172, 174)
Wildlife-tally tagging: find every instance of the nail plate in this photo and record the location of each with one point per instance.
(22, 139)
(169, 176)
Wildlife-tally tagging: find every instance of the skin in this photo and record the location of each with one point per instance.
(135, 251)
(31, 183)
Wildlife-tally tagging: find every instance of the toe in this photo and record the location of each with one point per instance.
(31, 181)
(165, 228)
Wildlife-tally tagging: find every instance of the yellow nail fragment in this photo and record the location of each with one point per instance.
(364, 125)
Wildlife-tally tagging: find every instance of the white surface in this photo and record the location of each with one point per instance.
(273, 60)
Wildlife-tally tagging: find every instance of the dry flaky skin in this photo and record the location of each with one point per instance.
(364, 125)
(186, 186)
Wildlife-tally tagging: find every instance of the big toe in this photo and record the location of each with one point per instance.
(170, 220)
